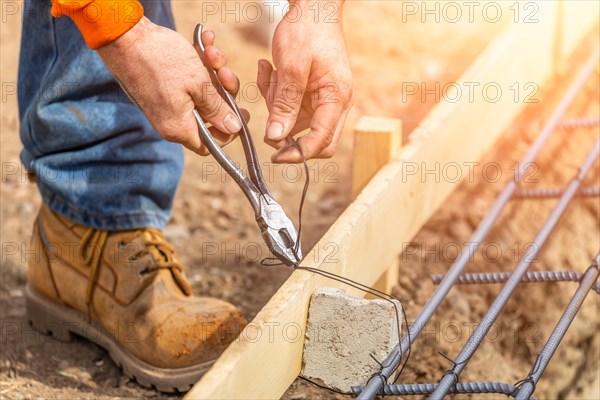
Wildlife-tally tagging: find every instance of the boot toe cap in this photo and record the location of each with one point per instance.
(195, 333)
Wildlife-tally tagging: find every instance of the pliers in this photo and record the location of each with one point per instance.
(276, 228)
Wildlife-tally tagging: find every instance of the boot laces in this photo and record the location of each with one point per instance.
(163, 255)
(154, 243)
(90, 249)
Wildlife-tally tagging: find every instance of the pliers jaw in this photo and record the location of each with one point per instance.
(278, 231)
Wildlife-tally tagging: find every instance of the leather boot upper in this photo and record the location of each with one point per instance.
(132, 284)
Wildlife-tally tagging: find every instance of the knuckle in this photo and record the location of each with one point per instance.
(283, 106)
(346, 92)
(210, 108)
(293, 72)
(292, 93)
(343, 87)
(324, 139)
(328, 152)
(327, 140)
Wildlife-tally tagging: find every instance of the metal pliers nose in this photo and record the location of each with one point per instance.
(276, 228)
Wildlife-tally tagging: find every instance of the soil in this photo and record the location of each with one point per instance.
(214, 230)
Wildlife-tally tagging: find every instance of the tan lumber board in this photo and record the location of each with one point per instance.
(388, 212)
(576, 18)
(376, 141)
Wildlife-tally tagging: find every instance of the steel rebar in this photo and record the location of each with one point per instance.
(376, 382)
(528, 387)
(579, 123)
(532, 276)
(411, 389)
(544, 193)
(449, 379)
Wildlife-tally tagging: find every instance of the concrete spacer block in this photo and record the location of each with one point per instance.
(342, 332)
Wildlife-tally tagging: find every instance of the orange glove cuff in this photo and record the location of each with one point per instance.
(100, 21)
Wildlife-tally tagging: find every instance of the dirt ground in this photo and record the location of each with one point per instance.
(215, 233)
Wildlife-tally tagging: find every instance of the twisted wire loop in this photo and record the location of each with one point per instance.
(530, 379)
(532, 276)
(579, 123)
(521, 383)
(555, 192)
(452, 369)
(411, 389)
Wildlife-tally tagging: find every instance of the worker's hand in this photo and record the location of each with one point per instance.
(312, 84)
(162, 73)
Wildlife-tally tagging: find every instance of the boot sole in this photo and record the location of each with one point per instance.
(62, 323)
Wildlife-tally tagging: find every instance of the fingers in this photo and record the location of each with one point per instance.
(222, 139)
(286, 87)
(302, 123)
(208, 38)
(218, 61)
(213, 108)
(209, 103)
(263, 79)
(326, 124)
(267, 80)
(216, 58)
(329, 151)
(277, 145)
(229, 80)
(325, 131)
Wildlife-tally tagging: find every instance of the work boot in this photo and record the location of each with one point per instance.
(126, 292)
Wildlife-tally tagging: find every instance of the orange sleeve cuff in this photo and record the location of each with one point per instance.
(100, 21)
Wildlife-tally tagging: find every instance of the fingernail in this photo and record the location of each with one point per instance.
(274, 131)
(232, 123)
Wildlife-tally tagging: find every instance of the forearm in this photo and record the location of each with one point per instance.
(100, 21)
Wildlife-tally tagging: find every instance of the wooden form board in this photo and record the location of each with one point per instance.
(369, 235)
(376, 142)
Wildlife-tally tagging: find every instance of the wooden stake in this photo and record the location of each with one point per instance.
(376, 142)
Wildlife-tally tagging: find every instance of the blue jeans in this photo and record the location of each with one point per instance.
(97, 159)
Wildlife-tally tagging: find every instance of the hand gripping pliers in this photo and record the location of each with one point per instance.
(277, 230)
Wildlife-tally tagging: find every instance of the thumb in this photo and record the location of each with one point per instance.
(213, 108)
(290, 85)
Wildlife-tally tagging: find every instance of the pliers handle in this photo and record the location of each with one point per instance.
(277, 229)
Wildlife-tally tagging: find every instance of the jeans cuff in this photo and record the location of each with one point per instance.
(109, 222)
